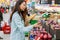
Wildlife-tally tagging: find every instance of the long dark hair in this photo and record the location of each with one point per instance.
(16, 8)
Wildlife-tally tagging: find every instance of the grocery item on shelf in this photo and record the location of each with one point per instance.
(46, 15)
(33, 22)
(26, 33)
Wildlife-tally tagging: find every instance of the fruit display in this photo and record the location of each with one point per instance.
(38, 33)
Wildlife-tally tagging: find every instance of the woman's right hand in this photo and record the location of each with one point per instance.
(38, 24)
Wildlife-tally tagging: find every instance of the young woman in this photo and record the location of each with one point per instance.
(17, 20)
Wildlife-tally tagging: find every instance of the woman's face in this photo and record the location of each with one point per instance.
(22, 6)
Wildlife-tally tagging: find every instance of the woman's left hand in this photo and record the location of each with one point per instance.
(37, 25)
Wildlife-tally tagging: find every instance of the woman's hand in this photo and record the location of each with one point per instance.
(28, 18)
(37, 25)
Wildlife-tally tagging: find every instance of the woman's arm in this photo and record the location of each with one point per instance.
(18, 23)
(28, 18)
